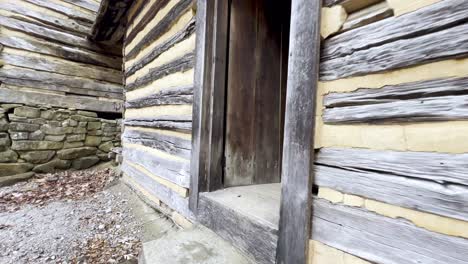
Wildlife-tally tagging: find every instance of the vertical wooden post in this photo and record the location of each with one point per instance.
(209, 98)
(298, 150)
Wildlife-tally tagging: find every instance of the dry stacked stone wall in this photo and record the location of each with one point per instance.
(43, 140)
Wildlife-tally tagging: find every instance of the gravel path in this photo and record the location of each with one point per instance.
(98, 227)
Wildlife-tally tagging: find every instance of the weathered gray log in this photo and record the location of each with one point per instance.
(61, 51)
(180, 64)
(438, 16)
(149, 15)
(440, 99)
(367, 16)
(173, 96)
(67, 68)
(174, 171)
(56, 36)
(85, 18)
(110, 23)
(47, 86)
(393, 93)
(58, 23)
(379, 239)
(430, 182)
(170, 144)
(329, 3)
(440, 45)
(135, 10)
(69, 101)
(158, 50)
(54, 79)
(163, 26)
(183, 123)
(161, 192)
(87, 4)
(248, 234)
(350, 5)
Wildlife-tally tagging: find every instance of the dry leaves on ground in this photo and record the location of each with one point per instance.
(45, 188)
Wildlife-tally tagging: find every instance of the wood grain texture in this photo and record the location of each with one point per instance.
(62, 51)
(61, 66)
(367, 16)
(171, 144)
(69, 101)
(440, 45)
(440, 99)
(425, 181)
(86, 18)
(144, 21)
(188, 30)
(182, 123)
(433, 18)
(298, 148)
(180, 64)
(110, 23)
(379, 239)
(248, 234)
(162, 27)
(173, 170)
(159, 191)
(174, 96)
(135, 10)
(56, 36)
(87, 4)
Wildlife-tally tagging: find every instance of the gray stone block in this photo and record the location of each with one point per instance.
(26, 111)
(70, 123)
(10, 180)
(105, 139)
(52, 166)
(82, 124)
(56, 138)
(36, 145)
(8, 156)
(68, 145)
(7, 169)
(37, 135)
(4, 140)
(81, 118)
(51, 130)
(37, 157)
(85, 162)
(48, 114)
(94, 125)
(106, 147)
(10, 106)
(75, 153)
(95, 133)
(19, 135)
(15, 126)
(93, 141)
(86, 113)
(76, 137)
(4, 125)
(79, 130)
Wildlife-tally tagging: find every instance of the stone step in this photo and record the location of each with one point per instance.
(246, 216)
(196, 245)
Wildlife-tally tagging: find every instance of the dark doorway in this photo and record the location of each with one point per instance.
(256, 88)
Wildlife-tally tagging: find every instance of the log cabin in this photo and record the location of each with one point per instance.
(301, 131)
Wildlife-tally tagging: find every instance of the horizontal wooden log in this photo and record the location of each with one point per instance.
(174, 96)
(188, 30)
(110, 22)
(441, 99)
(159, 191)
(54, 79)
(440, 45)
(379, 239)
(135, 10)
(161, 122)
(438, 16)
(78, 102)
(329, 3)
(367, 16)
(150, 14)
(61, 66)
(87, 4)
(171, 144)
(56, 36)
(56, 22)
(181, 64)
(162, 27)
(48, 86)
(431, 182)
(86, 18)
(173, 170)
(62, 51)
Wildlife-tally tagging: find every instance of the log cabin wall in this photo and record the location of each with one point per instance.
(158, 61)
(60, 93)
(392, 135)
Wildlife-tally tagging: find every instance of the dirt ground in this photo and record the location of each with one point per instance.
(70, 217)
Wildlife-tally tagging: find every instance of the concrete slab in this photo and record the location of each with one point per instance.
(197, 245)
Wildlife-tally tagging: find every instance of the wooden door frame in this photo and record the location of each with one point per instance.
(209, 117)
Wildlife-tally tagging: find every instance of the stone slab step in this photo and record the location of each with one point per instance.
(197, 245)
